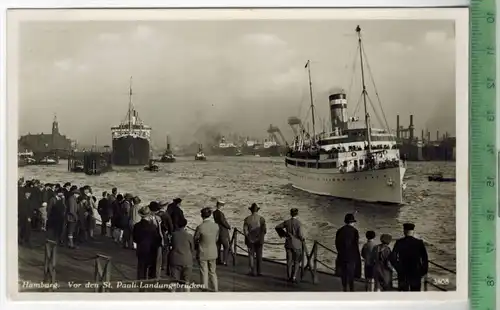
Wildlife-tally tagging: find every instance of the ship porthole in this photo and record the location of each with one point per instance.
(353, 154)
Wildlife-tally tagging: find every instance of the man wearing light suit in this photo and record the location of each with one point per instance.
(205, 240)
(181, 254)
(291, 229)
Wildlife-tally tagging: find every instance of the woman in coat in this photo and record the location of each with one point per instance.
(382, 269)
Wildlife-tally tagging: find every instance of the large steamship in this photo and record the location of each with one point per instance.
(353, 160)
(131, 139)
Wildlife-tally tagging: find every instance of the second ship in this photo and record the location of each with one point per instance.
(131, 139)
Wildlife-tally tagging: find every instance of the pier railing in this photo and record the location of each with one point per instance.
(311, 259)
(103, 266)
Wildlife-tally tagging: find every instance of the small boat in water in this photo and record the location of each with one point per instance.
(152, 167)
(200, 155)
(47, 161)
(438, 177)
(239, 153)
(168, 156)
(78, 167)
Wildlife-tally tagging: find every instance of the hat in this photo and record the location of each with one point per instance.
(128, 196)
(206, 212)
(154, 206)
(294, 211)
(67, 184)
(408, 226)
(349, 218)
(136, 200)
(74, 191)
(220, 203)
(162, 203)
(385, 238)
(144, 211)
(177, 200)
(48, 185)
(254, 207)
(73, 188)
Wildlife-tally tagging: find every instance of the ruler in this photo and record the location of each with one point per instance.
(482, 156)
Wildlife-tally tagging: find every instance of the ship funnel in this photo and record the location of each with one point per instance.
(338, 110)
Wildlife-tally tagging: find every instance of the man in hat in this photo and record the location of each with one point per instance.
(409, 258)
(380, 260)
(205, 240)
(145, 235)
(167, 228)
(175, 212)
(254, 229)
(67, 189)
(105, 211)
(56, 213)
(224, 228)
(291, 229)
(72, 216)
(24, 215)
(348, 258)
(181, 255)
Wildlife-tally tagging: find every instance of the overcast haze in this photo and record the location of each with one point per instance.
(243, 75)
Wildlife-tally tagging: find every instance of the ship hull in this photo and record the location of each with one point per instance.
(130, 151)
(228, 151)
(380, 186)
(272, 151)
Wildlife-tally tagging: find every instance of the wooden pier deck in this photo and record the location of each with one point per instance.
(79, 266)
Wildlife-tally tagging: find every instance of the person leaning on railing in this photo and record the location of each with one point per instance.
(291, 229)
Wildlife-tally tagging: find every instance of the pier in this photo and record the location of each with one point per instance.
(102, 265)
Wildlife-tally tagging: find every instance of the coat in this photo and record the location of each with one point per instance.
(72, 210)
(56, 211)
(347, 245)
(104, 209)
(380, 260)
(145, 235)
(26, 208)
(182, 251)
(176, 214)
(254, 229)
(409, 257)
(224, 227)
(294, 235)
(205, 240)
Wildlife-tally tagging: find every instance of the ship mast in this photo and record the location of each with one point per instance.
(308, 66)
(367, 115)
(130, 107)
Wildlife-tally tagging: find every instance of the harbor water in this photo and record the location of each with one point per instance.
(240, 181)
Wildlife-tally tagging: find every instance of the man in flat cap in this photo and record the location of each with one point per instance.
(348, 261)
(291, 229)
(224, 227)
(167, 228)
(409, 258)
(254, 229)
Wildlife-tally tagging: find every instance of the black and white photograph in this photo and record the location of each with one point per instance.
(196, 151)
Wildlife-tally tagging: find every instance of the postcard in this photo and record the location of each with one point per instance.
(230, 151)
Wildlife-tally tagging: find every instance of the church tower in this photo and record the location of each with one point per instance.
(55, 127)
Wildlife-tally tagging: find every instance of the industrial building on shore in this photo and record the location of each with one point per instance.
(44, 143)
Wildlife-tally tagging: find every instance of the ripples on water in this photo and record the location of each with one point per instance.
(240, 181)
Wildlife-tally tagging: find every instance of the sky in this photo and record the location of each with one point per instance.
(194, 78)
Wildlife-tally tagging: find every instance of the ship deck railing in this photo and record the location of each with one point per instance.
(319, 255)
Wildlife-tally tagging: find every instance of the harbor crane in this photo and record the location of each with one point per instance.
(272, 131)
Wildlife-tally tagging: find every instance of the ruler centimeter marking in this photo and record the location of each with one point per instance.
(482, 156)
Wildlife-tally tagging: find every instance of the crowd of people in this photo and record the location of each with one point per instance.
(163, 246)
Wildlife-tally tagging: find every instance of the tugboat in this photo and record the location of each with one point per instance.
(47, 161)
(151, 166)
(168, 156)
(200, 155)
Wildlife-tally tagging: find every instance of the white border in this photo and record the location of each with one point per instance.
(320, 299)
